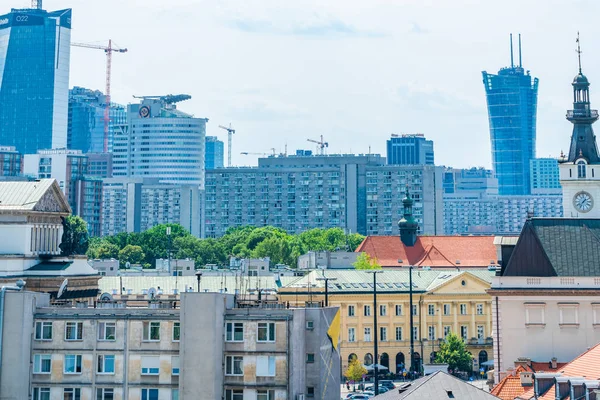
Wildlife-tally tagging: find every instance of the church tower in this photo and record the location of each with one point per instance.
(580, 169)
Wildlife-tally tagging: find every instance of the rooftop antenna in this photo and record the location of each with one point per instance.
(512, 64)
(36, 4)
(578, 51)
(520, 63)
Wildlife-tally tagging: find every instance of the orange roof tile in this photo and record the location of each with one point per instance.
(432, 251)
(545, 367)
(510, 387)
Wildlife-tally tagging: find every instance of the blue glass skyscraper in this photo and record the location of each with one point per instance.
(409, 149)
(34, 78)
(512, 107)
(214, 153)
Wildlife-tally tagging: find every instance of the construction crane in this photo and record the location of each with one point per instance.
(246, 153)
(230, 132)
(108, 50)
(168, 99)
(321, 144)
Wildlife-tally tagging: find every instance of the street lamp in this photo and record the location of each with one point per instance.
(324, 278)
(376, 356)
(198, 277)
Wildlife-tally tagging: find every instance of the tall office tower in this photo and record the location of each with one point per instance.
(34, 79)
(512, 107)
(159, 141)
(545, 176)
(214, 153)
(86, 120)
(409, 150)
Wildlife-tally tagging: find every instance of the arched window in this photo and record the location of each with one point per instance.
(483, 357)
(351, 357)
(581, 165)
(368, 359)
(399, 362)
(385, 360)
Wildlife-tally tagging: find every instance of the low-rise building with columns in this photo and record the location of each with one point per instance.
(444, 301)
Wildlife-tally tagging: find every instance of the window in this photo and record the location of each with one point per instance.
(414, 309)
(310, 391)
(415, 333)
(431, 309)
(382, 310)
(71, 394)
(398, 333)
(463, 309)
(479, 309)
(265, 395)
(176, 331)
(234, 365)
(175, 394)
(175, 365)
(568, 313)
(106, 330)
(234, 394)
(235, 332)
(581, 169)
(464, 333)
(431, 332)
(447, 330)
(480, 332)
(398, 310)
(383, 334)
(149, 394)
(310, 325)
(43, 331)
(351, 311)
(310, 358)
(151, 331)
(150, 365)
(105, 394)
(266, 332)
(367, 334)
(446, 309)
(367, 311)
(42, 363)
(106, 364)
(72, 363)
(41, 393)
(265, 366)
(534, 314)
(74, 331)
(351, 335)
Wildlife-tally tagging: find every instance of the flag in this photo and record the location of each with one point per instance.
(333, 333)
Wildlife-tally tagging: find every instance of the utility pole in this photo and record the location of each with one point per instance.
(324, 278)
(375, 327)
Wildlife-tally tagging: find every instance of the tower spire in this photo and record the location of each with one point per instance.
(578, 51)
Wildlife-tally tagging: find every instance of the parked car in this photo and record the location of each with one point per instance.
(361, 396)
(382, 389)
(388, 384)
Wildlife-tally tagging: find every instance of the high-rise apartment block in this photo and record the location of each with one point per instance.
(410, 150)
(70, 169)
(545, 176)
(512, 107)
(476, 180)
(159, 141)
(11, 162)
(138, 204)
(86, 120)
(34, 79)
(215, 150)
(356, 192)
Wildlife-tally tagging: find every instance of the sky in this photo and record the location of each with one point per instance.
(283, 71)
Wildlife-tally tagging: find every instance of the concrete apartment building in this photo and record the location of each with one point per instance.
(138, 204)
(207, 349)
(356, 192)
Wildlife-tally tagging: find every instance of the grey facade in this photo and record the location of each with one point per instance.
(137, 204)
(356, 192)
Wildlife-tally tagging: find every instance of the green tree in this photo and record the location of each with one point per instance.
(102, 249)
(155, 241)
(131, 254)
(355, 370)
(364, 261)
(75, 238)
(453, 352)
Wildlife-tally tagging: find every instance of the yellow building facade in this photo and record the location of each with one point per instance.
(444, 301)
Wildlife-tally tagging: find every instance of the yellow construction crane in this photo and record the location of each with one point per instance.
(321, 144)
(230, 132)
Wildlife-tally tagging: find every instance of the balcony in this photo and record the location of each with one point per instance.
(582, 114)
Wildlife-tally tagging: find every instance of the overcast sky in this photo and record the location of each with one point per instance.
(282, 71)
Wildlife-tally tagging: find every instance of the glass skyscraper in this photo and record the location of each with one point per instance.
(34, 79)
(214, 153)
(512, 107)
(86, 120)
(409, 150)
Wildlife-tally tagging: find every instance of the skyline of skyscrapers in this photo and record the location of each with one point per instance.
(34, 78)
(512, 106)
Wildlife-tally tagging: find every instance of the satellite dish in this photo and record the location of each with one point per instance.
(63, 288)
(106, 297)
(151, 292)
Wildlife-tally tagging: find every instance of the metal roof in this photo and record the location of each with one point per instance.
(25, 195)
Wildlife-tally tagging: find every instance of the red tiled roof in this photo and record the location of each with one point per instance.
(432, 251)
(545, 367)
(510, 387)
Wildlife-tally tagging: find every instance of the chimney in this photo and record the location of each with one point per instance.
(553, 363)
(526, 378)
(523, 362)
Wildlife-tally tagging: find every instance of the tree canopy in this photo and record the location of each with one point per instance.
(75, 239)
(355, 370)
(365, 261)
(453, 352)
(245, 241)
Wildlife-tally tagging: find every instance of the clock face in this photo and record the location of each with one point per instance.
(583, 202)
